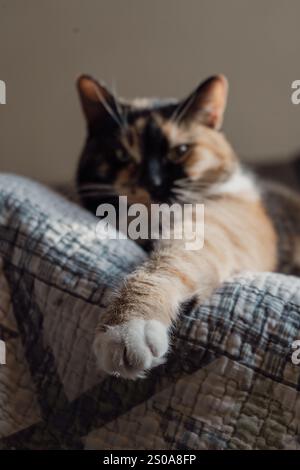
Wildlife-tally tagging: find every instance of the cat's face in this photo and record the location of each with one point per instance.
(153, 150)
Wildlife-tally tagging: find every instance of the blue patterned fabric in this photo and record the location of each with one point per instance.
(229, 381)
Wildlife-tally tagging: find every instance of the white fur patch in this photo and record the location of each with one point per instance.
(239, 183)
(131, 348)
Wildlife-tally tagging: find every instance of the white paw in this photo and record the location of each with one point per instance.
(131, 348)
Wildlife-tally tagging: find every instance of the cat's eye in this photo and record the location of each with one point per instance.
(122, 155)
(178, 153)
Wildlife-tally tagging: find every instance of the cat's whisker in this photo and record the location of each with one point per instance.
(121, 114)
(97, 194)
(108, 108)
(191, 186)
(91, 194)
(96, 189)
(96, 186)
(88, 191)
(179, 190)
(187, 180)
(182, 109)
(182, 184)
(185, 195)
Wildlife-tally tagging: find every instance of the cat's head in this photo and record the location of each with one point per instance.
(153, 150)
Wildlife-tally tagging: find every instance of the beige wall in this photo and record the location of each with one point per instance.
(150, 47)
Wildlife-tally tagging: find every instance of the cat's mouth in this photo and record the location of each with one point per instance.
(141, 194)
(99, 193)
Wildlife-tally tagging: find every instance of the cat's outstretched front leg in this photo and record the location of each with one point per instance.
(133, 335)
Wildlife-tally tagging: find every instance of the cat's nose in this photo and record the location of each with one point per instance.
(152, 176)
(154, 184)
(156, 181)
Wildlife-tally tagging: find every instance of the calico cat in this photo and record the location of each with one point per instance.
(166, 151)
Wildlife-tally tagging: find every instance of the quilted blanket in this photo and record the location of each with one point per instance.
(229, 381)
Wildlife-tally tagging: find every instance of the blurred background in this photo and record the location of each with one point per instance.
(154, 48)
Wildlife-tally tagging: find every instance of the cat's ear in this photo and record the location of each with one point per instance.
(94, 98)
(208, 102)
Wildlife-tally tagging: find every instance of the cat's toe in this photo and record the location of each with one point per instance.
(132, 348)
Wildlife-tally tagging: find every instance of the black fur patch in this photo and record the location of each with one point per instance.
(155, 173)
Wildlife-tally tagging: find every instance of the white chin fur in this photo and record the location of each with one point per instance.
(132, 348)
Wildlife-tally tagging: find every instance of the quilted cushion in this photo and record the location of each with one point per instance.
(229, 381)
